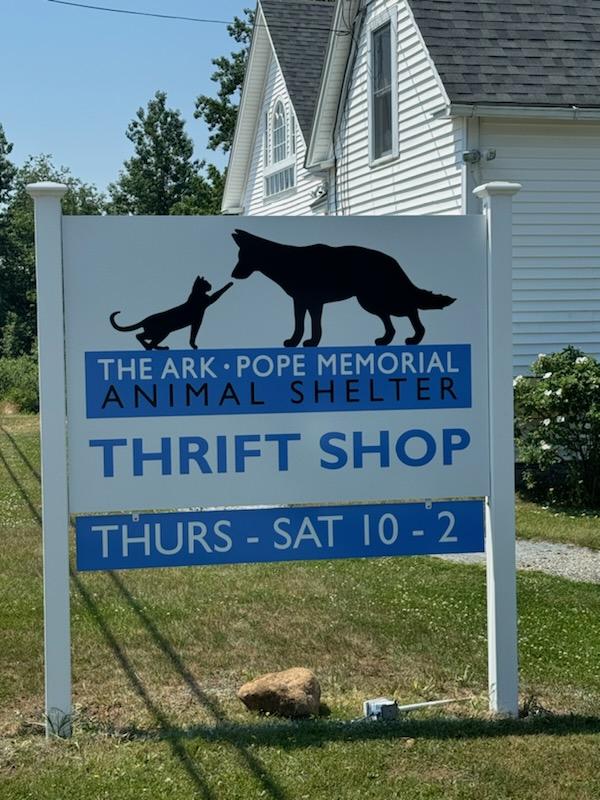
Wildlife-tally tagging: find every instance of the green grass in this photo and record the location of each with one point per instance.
(158, 654)
(552, 525)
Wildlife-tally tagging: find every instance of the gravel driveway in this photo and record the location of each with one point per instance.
(563, 560)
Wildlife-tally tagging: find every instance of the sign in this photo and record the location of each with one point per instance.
(195, 538)
(273, 389)
(189, 385)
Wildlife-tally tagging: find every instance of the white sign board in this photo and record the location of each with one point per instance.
(244, 420)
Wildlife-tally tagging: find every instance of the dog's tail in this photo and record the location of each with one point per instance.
(428, 300)
(123, 328)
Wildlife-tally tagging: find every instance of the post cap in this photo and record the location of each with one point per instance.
(497, 189)
(46, 189)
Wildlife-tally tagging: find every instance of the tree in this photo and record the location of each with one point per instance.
(162, 177)
(7, 169)
(17, 255)
(220, 112)
(206, 195)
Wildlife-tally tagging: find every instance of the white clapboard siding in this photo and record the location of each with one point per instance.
(556, 276)
(293, 202)
(556, 296)
(427, 176)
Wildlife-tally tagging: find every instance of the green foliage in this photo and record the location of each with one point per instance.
(220, 113)
(162, 177)
(14, 337)
(19, 382)
(557, 413)
(17, 255)
(7, 169)
(206, 194)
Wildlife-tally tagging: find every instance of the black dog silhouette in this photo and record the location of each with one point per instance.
(319, 274)
(158, 326)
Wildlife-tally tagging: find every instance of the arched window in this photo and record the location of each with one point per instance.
(279, 133)
(279, 149)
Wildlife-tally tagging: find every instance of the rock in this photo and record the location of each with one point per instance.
(292, 693)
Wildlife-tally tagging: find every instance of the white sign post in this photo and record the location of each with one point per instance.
(503, 675)
(53, 418)
(324, 451)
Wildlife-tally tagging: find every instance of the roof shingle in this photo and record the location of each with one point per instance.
(299, 30)
(516, 52)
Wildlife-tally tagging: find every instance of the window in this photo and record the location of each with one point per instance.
(280, 181)
(279, 133)
(279, 150)
(382, 93)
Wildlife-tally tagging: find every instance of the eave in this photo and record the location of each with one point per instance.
(318, 153)
(248, 116)
(516, 111)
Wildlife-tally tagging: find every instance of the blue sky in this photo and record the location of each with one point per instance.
(72, 79)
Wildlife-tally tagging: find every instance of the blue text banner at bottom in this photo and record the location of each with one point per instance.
(236, 536)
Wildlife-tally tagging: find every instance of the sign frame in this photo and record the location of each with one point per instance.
(500, 504)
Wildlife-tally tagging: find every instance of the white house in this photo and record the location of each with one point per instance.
(404, 106)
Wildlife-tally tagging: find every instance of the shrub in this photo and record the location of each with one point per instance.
(557, 420)
(19, 382)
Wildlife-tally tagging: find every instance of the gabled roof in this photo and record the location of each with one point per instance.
(295, 33)
(299, 30)
(515, 52)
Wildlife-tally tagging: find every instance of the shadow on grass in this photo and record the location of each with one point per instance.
(164, 725)
(210, 704)
(287, 735)
(20, 452)
(26, 499)
(158, 715)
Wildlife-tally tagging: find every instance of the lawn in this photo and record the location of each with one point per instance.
(158, 654)
(553, 525)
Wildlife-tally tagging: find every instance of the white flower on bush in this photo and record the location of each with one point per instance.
(545, 446)
(517, 380)
(582, 360)
(558, 392)
(541, 355)
(548, 392)
(546, 422)
(560, 419)
(547, 375)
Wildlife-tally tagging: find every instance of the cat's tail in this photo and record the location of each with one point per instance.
(428, 300)
(123, 328)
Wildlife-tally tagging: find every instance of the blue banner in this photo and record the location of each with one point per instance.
(273, 381)
(197, 538)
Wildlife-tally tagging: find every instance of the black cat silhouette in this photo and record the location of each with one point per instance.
(317, 274)
(158, 326)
